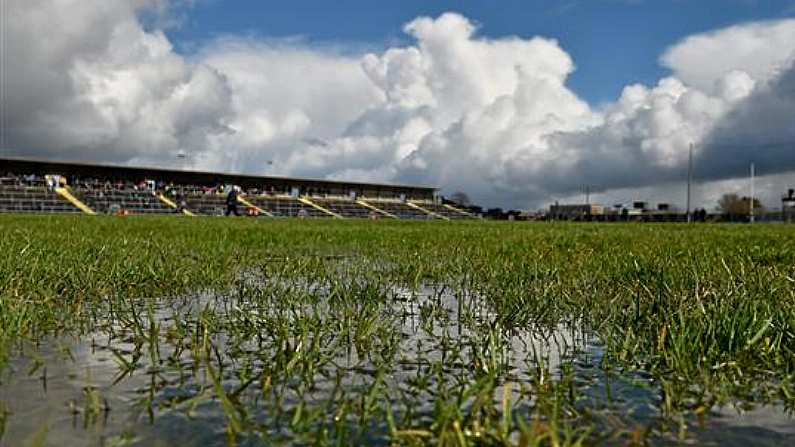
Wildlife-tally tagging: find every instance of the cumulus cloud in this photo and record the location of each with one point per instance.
(286, 101)
(491, 116)
(100, 87)
(458, 107)
(535, 141)
(738, 118)
(759, 49)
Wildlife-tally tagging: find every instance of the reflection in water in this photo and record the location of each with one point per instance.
(763, 426)
(281, 358)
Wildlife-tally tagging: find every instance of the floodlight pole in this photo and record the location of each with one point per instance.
(751, 206)
(182, 156)
(689, 180)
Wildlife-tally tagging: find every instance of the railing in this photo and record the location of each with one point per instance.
(345, 208)
(15, 198)
(133, 201)
(107, 196)
(402, 211)
(444, 211)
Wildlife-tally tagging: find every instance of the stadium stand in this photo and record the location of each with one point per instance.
(131, 190)
(121, 198)
(209, 204)
(285, 206)
(376, 210)
(400, 209)
(446, 211)
(214, 204)
(344, 207)
(306, 200)
(18, 195)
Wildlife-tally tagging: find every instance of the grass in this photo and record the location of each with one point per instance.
(331, 332)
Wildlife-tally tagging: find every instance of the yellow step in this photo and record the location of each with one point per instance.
(379, 210)
(66, 194)
(460, 211)
(429, 212)
(306, 201)
(251, 205)
(171, 204)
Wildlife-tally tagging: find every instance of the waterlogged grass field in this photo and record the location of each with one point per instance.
(178, 331)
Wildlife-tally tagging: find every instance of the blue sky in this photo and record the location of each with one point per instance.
(613, 42)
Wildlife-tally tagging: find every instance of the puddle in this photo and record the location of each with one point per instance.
(288, 355)
(730, 427)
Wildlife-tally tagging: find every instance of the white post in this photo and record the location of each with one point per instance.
(689, 179)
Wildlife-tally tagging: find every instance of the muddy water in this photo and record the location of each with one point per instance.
(111, 388)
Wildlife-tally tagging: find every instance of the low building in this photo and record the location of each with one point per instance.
(575, 211)
(788, 206)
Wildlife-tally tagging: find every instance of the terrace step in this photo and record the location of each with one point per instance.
(376, 209)
(286, 206)
(66, 194)
(460, 211)
(251, 205)
(171, 204)
(306, 201)
(429, 212)
(400, 209)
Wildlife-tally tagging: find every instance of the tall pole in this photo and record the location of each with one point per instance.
(183, 159)
(751, 205)
(689, 179)
(587, 194)
(4, 20)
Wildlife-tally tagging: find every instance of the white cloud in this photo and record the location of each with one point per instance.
(480, 102)
(100, 87)
(282, 96)
(759, 49)
(489, 116)
(538, 141)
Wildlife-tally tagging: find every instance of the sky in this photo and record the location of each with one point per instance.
(516, 103)
(613, 42)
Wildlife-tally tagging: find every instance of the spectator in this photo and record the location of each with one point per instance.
(182, 202)
(231, 201)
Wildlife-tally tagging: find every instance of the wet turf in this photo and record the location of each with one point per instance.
(242, 331)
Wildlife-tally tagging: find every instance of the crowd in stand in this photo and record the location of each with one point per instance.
(12, 179)
(145, 196)
(171, 190)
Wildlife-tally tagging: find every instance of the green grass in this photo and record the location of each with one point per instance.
(706, 311)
